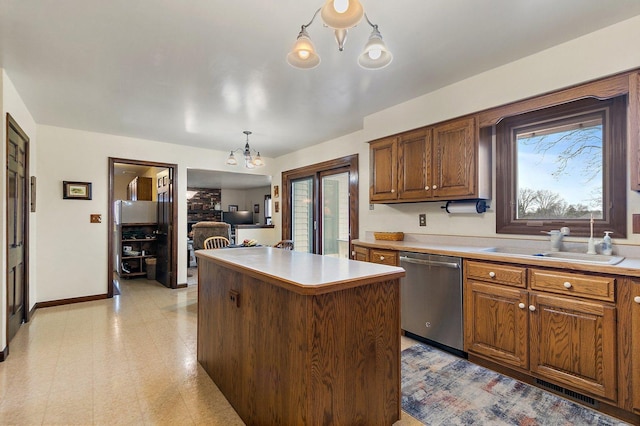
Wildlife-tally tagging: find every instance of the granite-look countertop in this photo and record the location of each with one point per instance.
(303, 273)
(476, 248)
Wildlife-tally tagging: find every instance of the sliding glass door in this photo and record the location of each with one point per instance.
(334, 224)
(320, 207)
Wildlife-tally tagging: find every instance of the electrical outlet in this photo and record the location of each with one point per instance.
(423, 219)
(234, 298)
(95, 218)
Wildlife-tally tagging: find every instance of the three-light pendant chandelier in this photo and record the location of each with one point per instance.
(340, 15)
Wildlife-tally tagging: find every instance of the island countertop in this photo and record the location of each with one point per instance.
(303, 273)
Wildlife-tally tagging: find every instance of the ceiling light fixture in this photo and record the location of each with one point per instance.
(249, 161)
(341, 16)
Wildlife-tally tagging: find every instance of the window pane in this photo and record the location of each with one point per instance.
(560, 170)
(302, 214)
(335, 215)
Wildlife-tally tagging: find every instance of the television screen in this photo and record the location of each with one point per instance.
(244, 217)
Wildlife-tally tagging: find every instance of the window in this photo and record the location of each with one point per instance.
(561, 166)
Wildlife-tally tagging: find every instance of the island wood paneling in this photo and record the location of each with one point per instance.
(281, 357)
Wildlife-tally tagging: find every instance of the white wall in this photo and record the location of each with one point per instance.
(10, 102)
(595, 55)
(72, 251)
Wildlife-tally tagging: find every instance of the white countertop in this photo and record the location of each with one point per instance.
(470, 248)
(302, 272)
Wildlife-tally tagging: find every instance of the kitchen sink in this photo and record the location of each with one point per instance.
(566, 256)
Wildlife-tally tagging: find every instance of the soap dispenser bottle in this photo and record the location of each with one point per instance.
(607, 247)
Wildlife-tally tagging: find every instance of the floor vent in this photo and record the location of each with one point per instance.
(568, 393)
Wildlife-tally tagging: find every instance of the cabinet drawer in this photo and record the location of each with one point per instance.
(386, 257)
(587, 286)
(501, 274)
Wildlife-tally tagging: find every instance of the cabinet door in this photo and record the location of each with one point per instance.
(414, 165)
(496, 323)
(383, 170)
(454, 159)
(635, 344)
(574, 342)
(361, 253)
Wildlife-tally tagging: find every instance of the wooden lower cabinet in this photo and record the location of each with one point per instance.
(565, 340)
(634, 353)
(495, 325)
(360, 253)
(573, 342)
(375, 255)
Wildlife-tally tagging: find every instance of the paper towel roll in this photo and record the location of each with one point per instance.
(471, 206)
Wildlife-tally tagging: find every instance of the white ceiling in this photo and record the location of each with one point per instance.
(200, 72)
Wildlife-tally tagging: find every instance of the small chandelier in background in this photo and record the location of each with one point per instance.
(249, 161)
(340, 15)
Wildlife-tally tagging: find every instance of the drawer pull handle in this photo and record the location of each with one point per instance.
(567, 284)
(532, 308)
(521, 305)
(435, 186)
(381, 257)
(636, 299)
(492, 274)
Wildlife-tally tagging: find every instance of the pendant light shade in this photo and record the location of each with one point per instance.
(342, 20)
(375, 54)
(303, 55)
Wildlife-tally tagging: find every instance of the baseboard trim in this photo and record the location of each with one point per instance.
(4, 354)
(70, 301)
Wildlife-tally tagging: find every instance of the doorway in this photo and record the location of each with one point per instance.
(145, 246)
(17, 243)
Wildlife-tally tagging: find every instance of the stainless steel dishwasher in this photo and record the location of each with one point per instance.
(431, 298)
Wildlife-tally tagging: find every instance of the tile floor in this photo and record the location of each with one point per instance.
(126, 360)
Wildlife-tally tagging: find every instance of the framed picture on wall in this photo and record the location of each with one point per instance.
(76, 190)
(233, 208)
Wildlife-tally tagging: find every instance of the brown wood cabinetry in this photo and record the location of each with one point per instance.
(447, 161)
(489, 307)
(383, 156)
(455, 153)
(140, 189)
(360, 253)
(376, 255)
(635, 345)
(562, 338)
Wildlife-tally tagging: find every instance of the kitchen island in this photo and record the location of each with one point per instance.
(296, 338)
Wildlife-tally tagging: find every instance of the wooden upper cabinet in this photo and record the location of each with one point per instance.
(634, 129)
(140, 189)
(414, 165)
(454, 146)
(448, 161)
(383, 156)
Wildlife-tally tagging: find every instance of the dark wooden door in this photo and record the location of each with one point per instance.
(17, 217)
(165, 215)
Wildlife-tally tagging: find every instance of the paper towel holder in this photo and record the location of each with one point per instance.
(466, 206)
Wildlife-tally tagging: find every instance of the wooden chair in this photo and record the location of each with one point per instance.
(216, 242)
(284, 244)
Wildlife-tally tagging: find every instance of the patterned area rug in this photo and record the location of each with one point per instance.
(441, 389)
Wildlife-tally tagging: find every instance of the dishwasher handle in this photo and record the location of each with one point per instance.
(452, 265)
